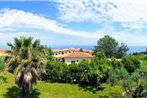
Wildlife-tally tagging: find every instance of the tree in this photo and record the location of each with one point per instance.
(26, 62)
(100, 55)
(110, 47)
(48, 53)
(136, 84)
(131, 63)
(122, 50)
(81, 50)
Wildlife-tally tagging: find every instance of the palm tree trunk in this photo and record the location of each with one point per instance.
(25, 92)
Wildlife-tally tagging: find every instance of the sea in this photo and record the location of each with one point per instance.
(132, 49)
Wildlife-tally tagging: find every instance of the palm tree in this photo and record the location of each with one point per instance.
(27, 62)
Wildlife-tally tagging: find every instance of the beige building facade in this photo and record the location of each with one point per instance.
(72, 55)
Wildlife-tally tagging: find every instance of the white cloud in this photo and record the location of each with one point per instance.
(20, 20)
(129, 13)
(82, 10)
(15, 23)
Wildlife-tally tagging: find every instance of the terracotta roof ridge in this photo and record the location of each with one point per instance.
(78, 54)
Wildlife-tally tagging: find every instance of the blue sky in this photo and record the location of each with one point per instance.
(74, 22)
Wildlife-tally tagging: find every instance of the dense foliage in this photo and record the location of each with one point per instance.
(110, 47)
(132, 76)
(2, 64)
(85, 73)
(102, 70)
(131, 63)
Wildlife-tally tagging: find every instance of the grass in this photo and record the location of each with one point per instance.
(8, 89)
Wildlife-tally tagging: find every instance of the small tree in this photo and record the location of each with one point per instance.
(81, 50)
(27, 62)
(116, 75)
(136, 84)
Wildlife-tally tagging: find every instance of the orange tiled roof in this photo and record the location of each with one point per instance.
(2, 52)
(72, 50)
(78, 55)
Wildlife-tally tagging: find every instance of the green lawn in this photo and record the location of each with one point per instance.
(8, 89)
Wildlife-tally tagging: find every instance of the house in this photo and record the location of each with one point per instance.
(3, 52)
(76, 57)
(72, 55)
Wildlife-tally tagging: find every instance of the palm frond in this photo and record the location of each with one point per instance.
(17, 43)
(10, 45)
(27, 42)
(36, 44)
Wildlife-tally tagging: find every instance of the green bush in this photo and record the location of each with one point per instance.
(131, 63)
(116, 63)
(145, 58)
(72, 73)
(100, 55)
(89, 74)
(85, 73)
(117, 75)
(55, 71)
(2, 66)
(103, 66)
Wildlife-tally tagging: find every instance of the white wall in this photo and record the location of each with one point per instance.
(68, 60)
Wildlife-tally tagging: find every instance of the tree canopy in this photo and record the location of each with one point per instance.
(110, 47)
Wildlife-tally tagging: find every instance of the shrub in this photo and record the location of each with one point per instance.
(83, 73)
(2, 66)
(117, 75)
(145, 58)
(100, 55)
(103, 66)
(131, 63)
(55, 71)
(72, 73)
(89, 74)
(116, 63)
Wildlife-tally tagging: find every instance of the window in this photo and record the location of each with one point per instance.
(62, 60)
(72, 61)
(62, 53)
(77, 60)
(83, 59)
(56, 54)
